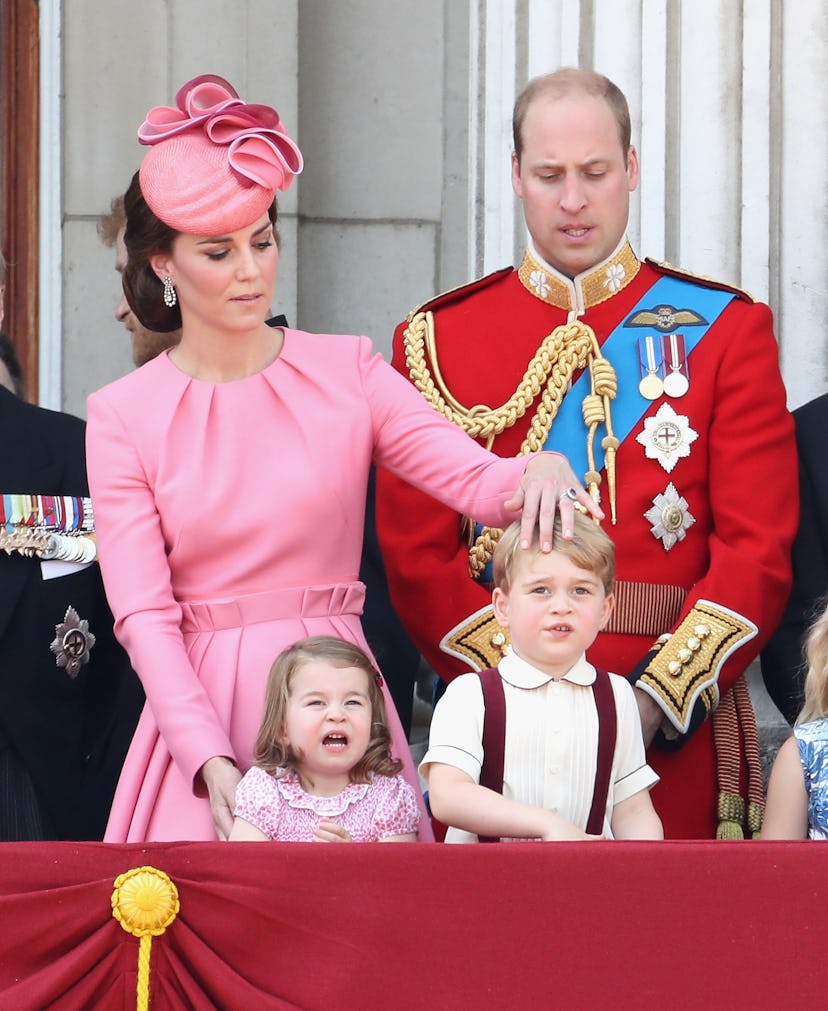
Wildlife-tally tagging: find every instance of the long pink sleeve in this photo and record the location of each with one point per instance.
(137, 579)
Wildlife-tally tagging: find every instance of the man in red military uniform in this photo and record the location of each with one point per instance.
(664, 391)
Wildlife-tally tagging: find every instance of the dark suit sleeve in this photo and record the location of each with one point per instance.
(783, 663)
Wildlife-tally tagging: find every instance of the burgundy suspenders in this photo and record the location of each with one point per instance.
(494, 741)
(607, 730)
(494, 734)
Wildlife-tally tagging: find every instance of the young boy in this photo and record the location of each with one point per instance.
(551, 766)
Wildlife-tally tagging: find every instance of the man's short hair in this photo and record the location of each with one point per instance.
(591, 548)
(572, 81)
(112, 222)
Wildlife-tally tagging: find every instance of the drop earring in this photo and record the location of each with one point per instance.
(170, 297)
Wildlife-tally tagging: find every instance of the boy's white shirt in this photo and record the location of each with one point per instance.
(550, 728)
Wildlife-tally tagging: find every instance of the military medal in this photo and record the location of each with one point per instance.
(670, 517)
(676, 383)
(73, 643)
(650, 361)
(667, 437)
(49, 527)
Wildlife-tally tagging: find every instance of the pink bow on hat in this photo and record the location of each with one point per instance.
(259, 148)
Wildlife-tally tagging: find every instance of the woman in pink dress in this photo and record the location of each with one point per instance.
(229, 474)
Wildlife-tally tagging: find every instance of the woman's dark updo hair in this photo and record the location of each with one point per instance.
(146, 235)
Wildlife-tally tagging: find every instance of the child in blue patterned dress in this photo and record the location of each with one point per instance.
(324, 770)
(797, 806)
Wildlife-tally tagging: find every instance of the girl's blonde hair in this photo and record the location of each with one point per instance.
(816, 680)
(271, 755)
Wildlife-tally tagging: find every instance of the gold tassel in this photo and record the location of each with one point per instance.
(731, 811)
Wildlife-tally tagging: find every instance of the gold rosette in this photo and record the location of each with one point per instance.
(145, 902)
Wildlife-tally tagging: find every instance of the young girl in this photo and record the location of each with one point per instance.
(324, 771)
(797, 806)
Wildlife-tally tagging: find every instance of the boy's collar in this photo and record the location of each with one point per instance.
(522, 674)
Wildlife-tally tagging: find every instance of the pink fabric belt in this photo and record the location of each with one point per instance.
(271, 605)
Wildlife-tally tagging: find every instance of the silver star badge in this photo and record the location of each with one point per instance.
(667, 437)
(670, 517)
(73, 642)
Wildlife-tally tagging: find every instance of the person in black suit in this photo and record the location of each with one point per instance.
(62, 738)
(782, 660)
(64, 731)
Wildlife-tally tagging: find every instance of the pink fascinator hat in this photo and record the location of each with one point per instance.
(215, 162)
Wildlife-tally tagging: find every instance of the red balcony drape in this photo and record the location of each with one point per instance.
(598, 925)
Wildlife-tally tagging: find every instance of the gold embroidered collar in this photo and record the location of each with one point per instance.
(585, 290)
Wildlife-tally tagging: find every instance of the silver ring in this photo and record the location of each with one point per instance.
(570, 493)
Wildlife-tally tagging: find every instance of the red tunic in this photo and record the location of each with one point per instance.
(739, 482)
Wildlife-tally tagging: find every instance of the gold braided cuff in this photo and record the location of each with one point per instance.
(479, 640)
(686, 668)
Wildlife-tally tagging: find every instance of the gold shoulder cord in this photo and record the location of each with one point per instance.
(566, 349)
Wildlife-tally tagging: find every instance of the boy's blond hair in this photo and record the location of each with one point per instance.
(590, 549)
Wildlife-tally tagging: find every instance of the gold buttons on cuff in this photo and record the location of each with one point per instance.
(686, 653)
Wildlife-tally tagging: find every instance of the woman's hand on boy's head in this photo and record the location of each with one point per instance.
(329, 831)
(549, 486)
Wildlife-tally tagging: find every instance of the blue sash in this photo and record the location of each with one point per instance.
(567, 434)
